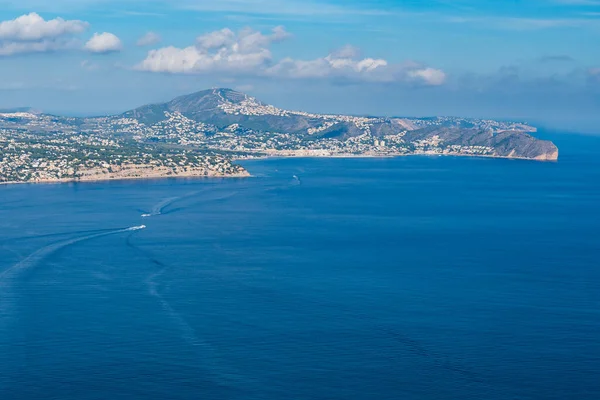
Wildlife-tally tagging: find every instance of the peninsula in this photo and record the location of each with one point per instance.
(202, 134)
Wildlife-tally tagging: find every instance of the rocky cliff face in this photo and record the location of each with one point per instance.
(507, 143)
(522, 145)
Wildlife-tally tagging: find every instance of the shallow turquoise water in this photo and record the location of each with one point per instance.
(407, 278)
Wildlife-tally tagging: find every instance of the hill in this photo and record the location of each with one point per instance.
(201, 134)
(228, 110)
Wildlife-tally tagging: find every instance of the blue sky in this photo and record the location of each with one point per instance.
(537, 60)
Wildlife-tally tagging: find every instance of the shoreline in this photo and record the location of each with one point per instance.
(120, 179)
(350, 156)
(265, 157)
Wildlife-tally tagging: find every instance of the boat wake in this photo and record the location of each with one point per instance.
(211, 199)
(39, 255)
(206, 351)
(159, 208)
(50, 235)
(11, 275)
(284, 185)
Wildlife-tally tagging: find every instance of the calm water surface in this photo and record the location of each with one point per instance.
(406, 278)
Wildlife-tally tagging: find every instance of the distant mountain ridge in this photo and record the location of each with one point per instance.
(223, 108)
(237, 125)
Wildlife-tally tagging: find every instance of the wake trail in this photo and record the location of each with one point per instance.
(57, 234)
(207, 200)
(8, 277)
(294, 182)
(39, 255)
(205, 350)
(285, 185)
(158, 209)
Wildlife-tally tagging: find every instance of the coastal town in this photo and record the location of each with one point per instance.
(25, 157)
(182, 138)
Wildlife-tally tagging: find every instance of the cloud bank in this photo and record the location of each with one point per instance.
(30, 33)
(248, 52)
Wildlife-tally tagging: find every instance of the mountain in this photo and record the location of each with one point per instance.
(221, 109)
(228, 123)
(224, 107)
(202, 134)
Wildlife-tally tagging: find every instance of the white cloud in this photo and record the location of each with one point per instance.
(213, 40)
(346, 64)
(32, 27)
(104, 43)
(149, 39)
(248, 52)
(332, 65)
(224, 50)
(40, 46)
(347, 51)
(429, 76)
(30, 33)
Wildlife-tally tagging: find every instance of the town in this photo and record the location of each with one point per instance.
(182, 138)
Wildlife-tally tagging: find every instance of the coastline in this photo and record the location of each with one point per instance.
(246, 174)
(266, 157)
(124, 178)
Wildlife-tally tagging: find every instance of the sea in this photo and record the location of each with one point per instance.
(415, 277)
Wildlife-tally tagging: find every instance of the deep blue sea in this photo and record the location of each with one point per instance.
(400, 278)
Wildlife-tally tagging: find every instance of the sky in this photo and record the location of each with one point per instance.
(536, 60)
